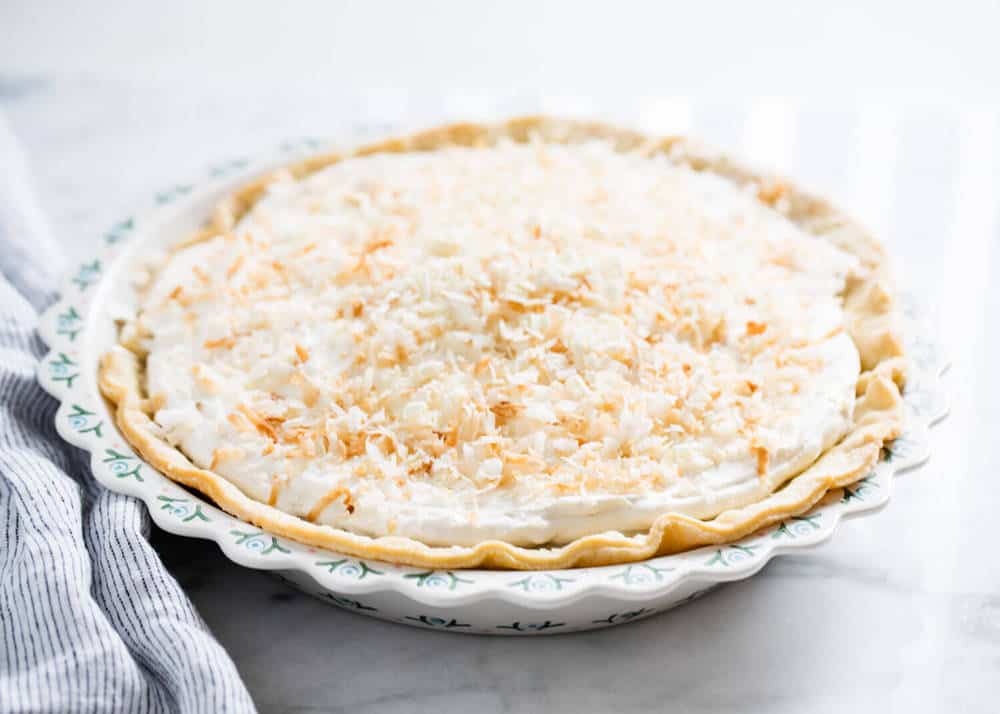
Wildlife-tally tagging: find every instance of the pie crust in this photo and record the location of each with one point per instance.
(871, 321)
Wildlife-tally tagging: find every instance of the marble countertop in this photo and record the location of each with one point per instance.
(899, 612)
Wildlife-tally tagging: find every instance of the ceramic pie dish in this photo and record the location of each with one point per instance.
(590, 579)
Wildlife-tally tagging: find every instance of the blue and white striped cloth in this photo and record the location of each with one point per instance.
(90, 620)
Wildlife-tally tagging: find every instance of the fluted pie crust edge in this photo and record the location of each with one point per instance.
(871, 314)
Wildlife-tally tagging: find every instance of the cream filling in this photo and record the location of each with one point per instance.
(433, 516)
(321, 357)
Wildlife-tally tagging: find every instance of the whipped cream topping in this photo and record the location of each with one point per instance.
(529, 343)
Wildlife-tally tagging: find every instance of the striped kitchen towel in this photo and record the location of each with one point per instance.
(90, 620)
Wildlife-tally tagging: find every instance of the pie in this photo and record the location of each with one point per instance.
(536, 344)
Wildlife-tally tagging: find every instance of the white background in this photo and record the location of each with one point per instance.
(890, 107)
(827, 51)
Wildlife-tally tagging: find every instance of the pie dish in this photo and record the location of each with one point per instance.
(539, 344)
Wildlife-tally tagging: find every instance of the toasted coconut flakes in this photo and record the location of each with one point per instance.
(763, 456)
(263, 425)
(505, 409)
(205, 381)
(378, 245)
(235, 266)
(224, 454)
(487, 358)
(201, 275)
(223, 342)
(522, 462)
(337, 494)
(310, 392)
(772, 192)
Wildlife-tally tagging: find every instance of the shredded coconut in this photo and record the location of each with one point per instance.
(428, 339)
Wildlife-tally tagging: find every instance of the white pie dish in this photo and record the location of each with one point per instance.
(80, 327)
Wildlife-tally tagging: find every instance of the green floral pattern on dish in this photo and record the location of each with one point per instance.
(259, 542)
(731, 555)
(357, 569)
(437, 621)
(120, 464)
(87, 274)
(119, 232)
(900, 448)
(308, 144)
(184, 508)
(540, 583)
(173, 193)
(531, 626)
(228, 167)
(619, 617)
(85, 421)
(63, 369)
(859, 491)
(640, 574)
(438, 579)
(69, 323)
(798, 526)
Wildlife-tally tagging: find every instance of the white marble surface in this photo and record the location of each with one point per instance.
(900, 612)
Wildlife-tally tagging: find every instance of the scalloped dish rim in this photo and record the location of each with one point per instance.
(69, 373)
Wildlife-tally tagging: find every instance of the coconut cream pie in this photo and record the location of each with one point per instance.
(539, 344)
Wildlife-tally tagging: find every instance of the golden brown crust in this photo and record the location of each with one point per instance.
(872, 320)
